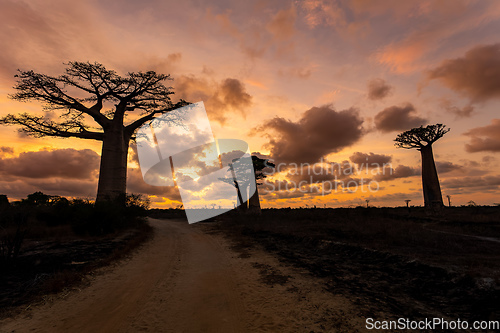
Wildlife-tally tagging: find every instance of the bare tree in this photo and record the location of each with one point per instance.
(81, 96)
(422, 138)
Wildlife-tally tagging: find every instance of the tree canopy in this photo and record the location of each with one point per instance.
(142, 91)
(89, 101)
(419, 137)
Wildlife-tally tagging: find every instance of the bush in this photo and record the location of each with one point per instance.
(108, 217)
(41, 215)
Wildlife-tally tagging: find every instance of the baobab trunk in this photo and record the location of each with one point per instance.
(430, 180)
(113, 171)
(254, 202)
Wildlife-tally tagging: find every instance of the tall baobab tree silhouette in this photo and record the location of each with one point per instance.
(422, 138)
(88, 92)
(259, 167)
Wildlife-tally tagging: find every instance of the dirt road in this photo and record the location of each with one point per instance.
(186, 280)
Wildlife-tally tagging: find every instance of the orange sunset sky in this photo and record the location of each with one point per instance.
(298, 80)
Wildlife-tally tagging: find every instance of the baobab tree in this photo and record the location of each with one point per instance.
(259, 165)
(422, 138)
(92, 102)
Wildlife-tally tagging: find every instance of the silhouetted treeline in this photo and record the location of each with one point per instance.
(41, 216)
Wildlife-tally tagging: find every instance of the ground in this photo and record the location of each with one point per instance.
(298, 270)
(187, 279)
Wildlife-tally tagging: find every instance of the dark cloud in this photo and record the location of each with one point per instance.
(62, 163)
(319, 173)
(6, 150)
(136, 185)
(401, 171)
(320, 131)
(378, 89)
(398, 118)
(488, 159)
(485, 138)
(232, 94)
(444, 167)
(479, 182)
(20, 188)
(475, 75)
(371, 159)
(66, 172)
(219, 98)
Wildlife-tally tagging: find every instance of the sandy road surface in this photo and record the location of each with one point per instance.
(186, 280)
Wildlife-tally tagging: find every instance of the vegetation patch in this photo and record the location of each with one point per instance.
(49, 244)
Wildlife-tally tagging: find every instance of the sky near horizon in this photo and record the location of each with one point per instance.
(300, 81)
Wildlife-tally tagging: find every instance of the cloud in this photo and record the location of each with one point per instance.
(464, 112)
(476, 75)
(427, 26)
(42, 36)
(488, 159)
(479, 182)
(320, 131)
(446, 166)
(232, 94)
(402, 56)
(398, 118)
(485, 138)
(61, 163)
(269, 32)
(219, 97)
(162, 64)
(320, 172)
(136, 185)
(282, 24)
(20, 188)
(401, 171)
(6, 150)
(371, 159)
(378, 89)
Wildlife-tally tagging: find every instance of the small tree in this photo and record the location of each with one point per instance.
(422, 138)
(81, 96)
